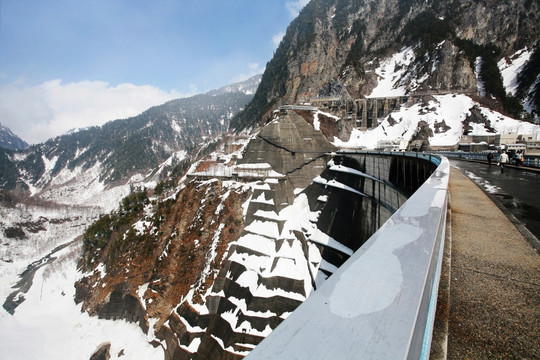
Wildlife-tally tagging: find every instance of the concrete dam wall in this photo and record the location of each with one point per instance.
(380, 303)
(358, 192)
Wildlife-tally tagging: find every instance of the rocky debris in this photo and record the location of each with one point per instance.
(331, 127)
(102, 353)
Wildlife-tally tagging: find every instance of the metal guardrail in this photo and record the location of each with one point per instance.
(380, 304)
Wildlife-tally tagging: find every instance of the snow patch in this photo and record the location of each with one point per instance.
(391, 71)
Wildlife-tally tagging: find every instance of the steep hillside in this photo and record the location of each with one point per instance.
(8, 140)
(333, 48)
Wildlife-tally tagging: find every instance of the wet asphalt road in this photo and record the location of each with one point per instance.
(517, 189)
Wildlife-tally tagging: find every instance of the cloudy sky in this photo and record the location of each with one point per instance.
(67, 64)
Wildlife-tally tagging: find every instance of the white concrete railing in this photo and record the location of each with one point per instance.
(380, 304)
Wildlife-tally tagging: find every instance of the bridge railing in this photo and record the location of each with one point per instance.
(379, 304)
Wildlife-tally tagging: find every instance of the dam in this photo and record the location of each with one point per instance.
(377, 238)
(389, 209)
(380, 302)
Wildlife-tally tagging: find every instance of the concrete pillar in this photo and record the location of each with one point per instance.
(386, 107)
(375, 113)
(363, 102)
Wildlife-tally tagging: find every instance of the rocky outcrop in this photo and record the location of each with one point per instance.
(143, 274)
(476, 117)
(102, 353)
(333, 47)
(446, 69)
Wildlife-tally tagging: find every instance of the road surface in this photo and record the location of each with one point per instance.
(517, 189)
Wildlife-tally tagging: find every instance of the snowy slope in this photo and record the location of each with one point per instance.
(510, 67)
(452, 109)
(48, 325)
(394, 74)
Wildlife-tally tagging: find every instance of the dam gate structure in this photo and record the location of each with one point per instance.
(362, 191)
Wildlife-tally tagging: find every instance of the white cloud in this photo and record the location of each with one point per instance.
(276, 39)
(37, 113)
(294, 7)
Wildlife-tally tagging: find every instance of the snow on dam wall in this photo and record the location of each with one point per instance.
(380, 303)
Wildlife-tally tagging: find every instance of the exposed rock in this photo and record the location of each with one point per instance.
(102, 353)
(333, 47)
(441, 127)
(421, 136)
(447, 70)
(169, 262)
(476, 117)
(123, 305)
(331, 128)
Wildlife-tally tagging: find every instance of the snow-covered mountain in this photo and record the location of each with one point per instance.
(177, 239)
(446, 117)
(8, 140)
(76, 167)
(248, 87)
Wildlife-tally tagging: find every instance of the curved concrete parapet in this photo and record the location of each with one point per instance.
(380, 303)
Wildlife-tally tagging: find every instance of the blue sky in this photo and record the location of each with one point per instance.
(67, 64)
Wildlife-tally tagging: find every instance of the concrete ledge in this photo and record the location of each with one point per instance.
(381, 302)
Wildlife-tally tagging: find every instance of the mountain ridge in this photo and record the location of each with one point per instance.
(10, 141)
(126, 147)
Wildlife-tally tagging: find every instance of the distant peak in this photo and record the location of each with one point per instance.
(8, 140)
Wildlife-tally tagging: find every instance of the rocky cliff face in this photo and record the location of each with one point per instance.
(333, 47)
